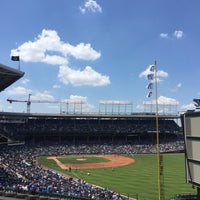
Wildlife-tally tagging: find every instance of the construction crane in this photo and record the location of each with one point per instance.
(29, 101)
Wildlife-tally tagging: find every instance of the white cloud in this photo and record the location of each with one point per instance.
(179, 85)
(48, 48)
(164, 35)
(56, 86)
(178, 34)
(86, 107)
(54, 60)
(140, 107)
(165, 105)
(81, 51)
(25, 81)
(42, 96)
(78, 97)
(190, 106)
(76, 104)
(160, 74)
(91, 5)
(1, 107)
(86, 77)
(18, 91)
(82, 9)
(167, 100)
(47, 100)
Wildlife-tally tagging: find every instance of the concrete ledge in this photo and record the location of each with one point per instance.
(43, 198)
(2, 193)
(32, 197)
(9, 194)
(53, 198)
(21, 196)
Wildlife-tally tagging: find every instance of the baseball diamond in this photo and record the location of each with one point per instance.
(114, 161)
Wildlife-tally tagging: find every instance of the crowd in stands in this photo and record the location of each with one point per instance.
(20, 172)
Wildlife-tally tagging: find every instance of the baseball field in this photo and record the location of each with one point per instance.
(134, 175)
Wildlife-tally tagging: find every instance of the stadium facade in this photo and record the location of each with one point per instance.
(86, 128)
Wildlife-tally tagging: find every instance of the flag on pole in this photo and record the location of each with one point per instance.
(15, 58)
(152, 68)
(149, 94)
(150, 86)
(150, 76)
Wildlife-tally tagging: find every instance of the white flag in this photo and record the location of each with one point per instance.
(152, 68)
(149, 94)
(150, 76)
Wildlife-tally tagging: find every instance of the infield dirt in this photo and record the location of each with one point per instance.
(114, 161)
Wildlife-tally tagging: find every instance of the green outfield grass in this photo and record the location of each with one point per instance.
(138, 179)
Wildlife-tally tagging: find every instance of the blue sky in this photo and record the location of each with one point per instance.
(99, 52)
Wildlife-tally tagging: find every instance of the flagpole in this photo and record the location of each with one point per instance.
(157, 135)
(16, 58)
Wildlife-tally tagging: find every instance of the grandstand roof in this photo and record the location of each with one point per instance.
(8, 76)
